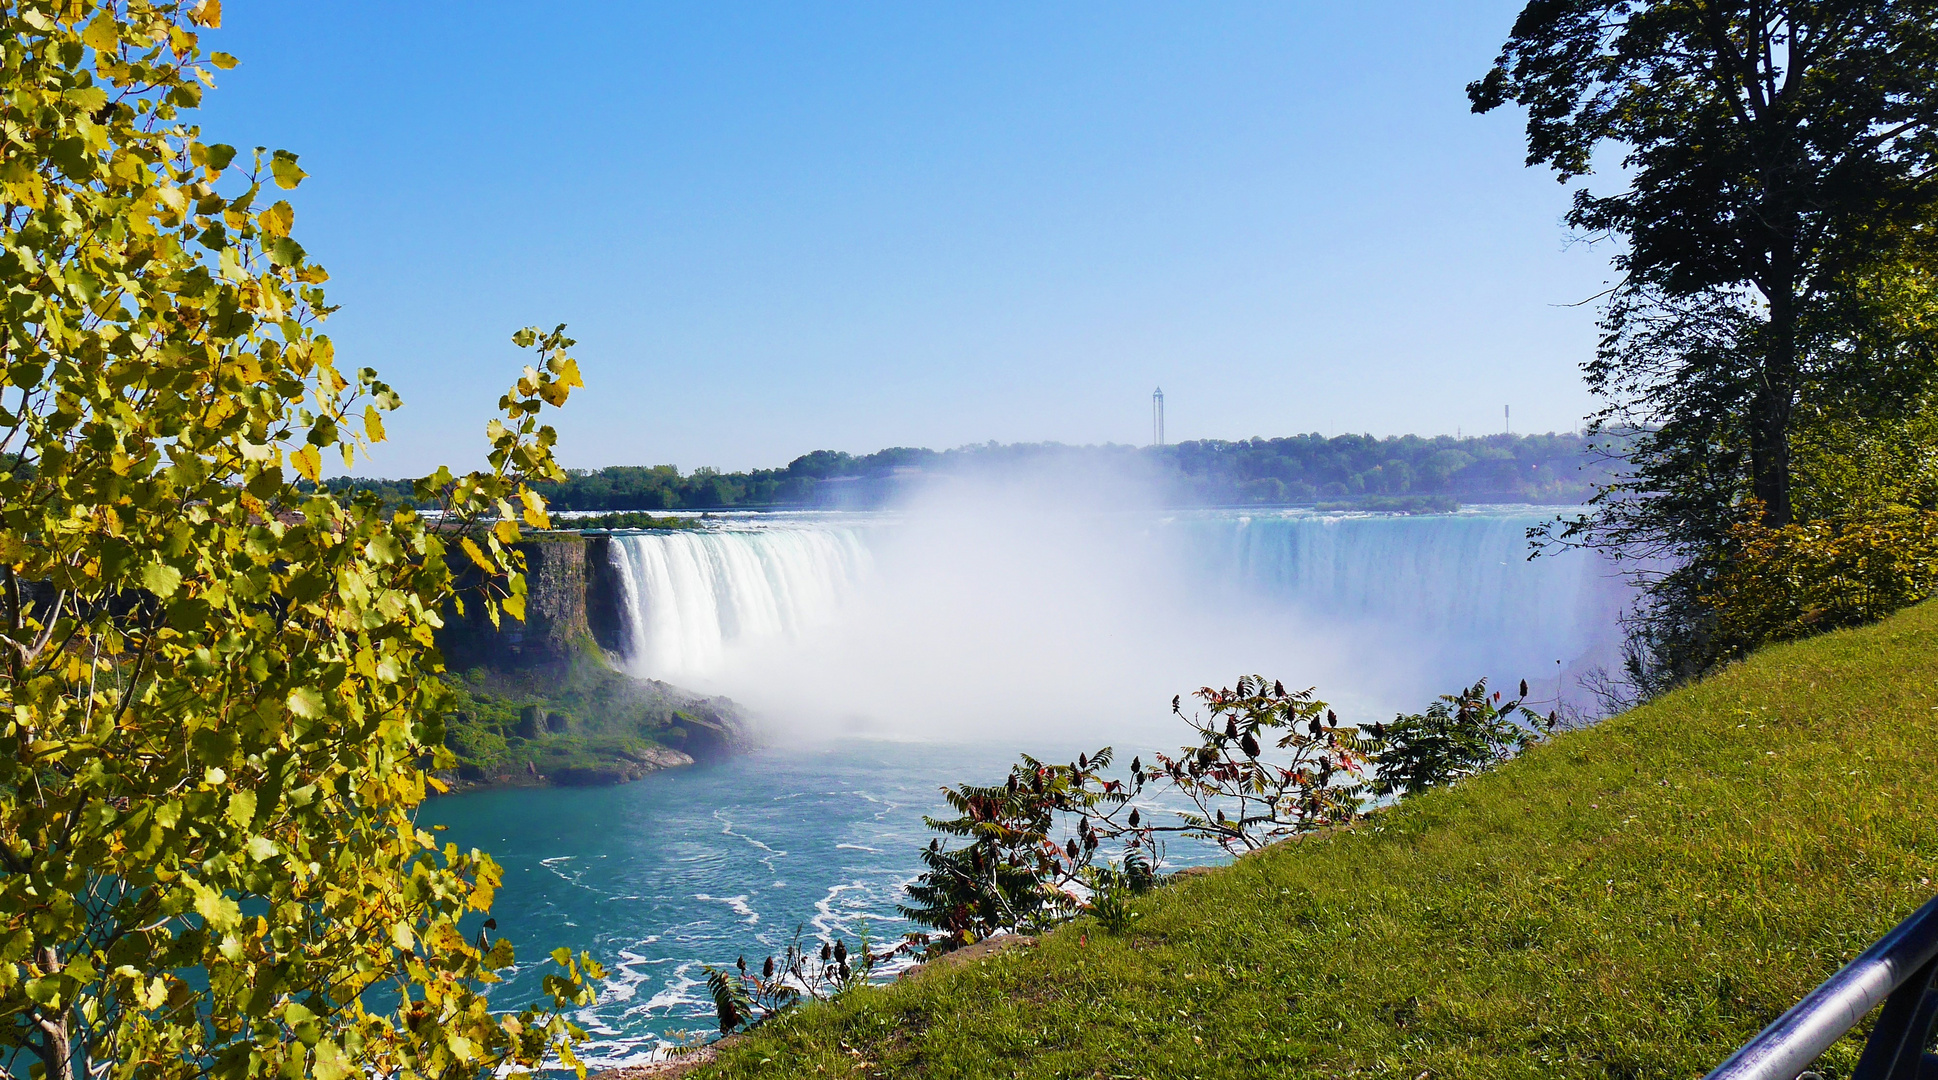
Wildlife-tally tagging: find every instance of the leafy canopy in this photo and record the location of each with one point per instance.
(219, 687)
(1460, 735)
(1314, 782)
(1011, 873)
(1777, 157)
(1775, 211)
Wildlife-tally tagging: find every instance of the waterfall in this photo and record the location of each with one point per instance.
(685, 598)
(954, 625)
(1463, 581)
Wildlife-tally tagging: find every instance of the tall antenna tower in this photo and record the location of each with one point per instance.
(1157, 417)
(1507, 419)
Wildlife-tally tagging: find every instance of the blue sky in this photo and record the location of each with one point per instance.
(782, 227)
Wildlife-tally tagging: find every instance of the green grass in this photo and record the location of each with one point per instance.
(1633, 900)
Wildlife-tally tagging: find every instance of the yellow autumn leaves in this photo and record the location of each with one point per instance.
(217, 679)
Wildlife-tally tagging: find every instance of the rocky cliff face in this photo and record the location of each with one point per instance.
(540, 703)
(602, 596)
(555, 612)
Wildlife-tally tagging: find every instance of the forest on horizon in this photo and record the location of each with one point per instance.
(1395, 472)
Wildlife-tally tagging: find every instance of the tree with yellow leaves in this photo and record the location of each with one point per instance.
(219, 685)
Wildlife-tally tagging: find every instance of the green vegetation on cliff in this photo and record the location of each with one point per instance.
(537, 699)
(579, 722)
(1632, 900)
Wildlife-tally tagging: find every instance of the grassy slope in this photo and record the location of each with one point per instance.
(1629, 901)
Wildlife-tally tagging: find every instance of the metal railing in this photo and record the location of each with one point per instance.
(1896, 971)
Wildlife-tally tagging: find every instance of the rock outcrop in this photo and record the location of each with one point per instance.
(542, 701)
(555, 610)
(630, 766)
(604, 597)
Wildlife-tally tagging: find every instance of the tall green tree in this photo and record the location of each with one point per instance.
(1773, 212)
(1775, 153)
(218, 681)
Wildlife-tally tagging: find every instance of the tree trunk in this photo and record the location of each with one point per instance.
(56, 1047)
(1770, 454)
(1770, 410)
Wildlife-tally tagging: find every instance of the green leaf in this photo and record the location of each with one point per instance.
(101, 34)
(74, 158)
(283, 166)
(222, 60)
(284, 252)
(161, 579)
(45, 992)
(384, 549)
(222, 913)
(306, 702)
(242, 808)
(330, 1063)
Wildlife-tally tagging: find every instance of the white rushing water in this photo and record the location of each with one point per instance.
(950, 626)
(1460, 582)
(687, 597)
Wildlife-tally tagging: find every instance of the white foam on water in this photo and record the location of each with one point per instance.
(727, 829)
(737, 904)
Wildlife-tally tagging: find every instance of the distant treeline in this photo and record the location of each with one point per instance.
(1299, 470)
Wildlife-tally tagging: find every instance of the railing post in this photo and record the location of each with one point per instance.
(1896, 1048)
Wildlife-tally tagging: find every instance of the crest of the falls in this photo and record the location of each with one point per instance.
(1033, 620)
(1463, 582)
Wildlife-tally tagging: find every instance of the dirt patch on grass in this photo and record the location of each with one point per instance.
(969, 953)
(670, 1069)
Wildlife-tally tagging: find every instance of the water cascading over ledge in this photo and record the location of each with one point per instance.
(671, 604)
(1453, 595)
(1465, 580)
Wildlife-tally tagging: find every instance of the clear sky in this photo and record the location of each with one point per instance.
(782, 227)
